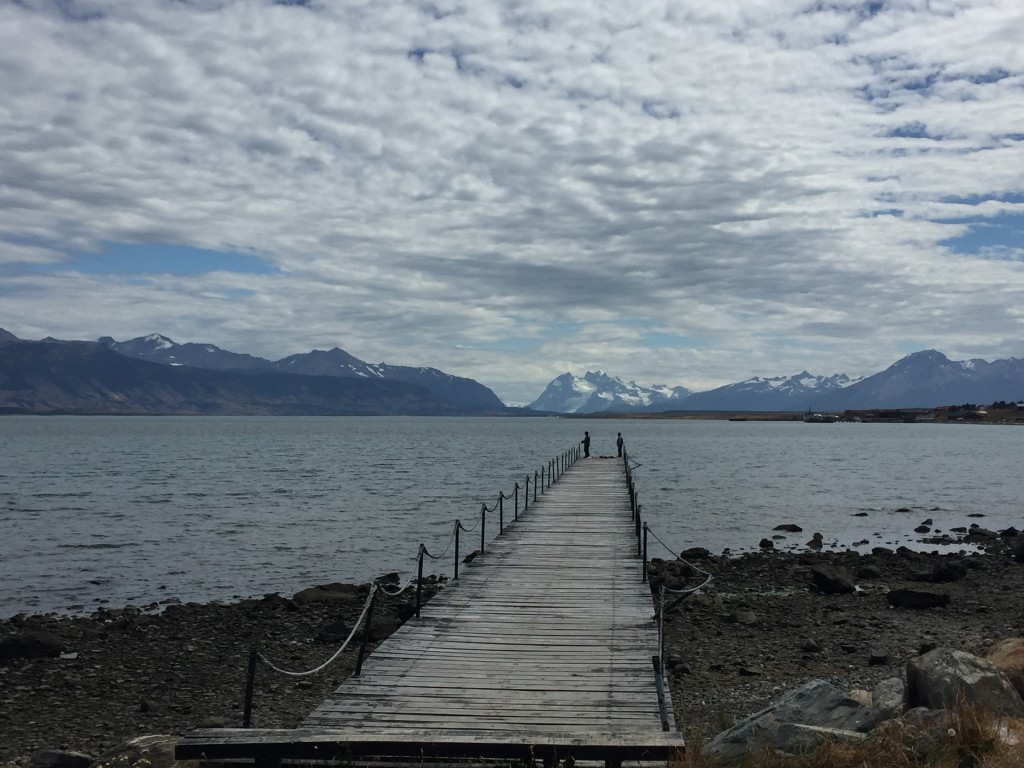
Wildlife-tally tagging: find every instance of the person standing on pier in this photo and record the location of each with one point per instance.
(619, 444)
(586, 444)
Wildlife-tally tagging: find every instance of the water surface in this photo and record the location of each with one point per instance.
(98, 510)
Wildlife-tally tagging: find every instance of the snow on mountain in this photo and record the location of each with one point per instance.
(464, 393)
(778, 393)
(157, 348)
(928, 379)
(596, 391)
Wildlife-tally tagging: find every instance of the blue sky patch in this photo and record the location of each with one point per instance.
(1003, 231)
(125, 258)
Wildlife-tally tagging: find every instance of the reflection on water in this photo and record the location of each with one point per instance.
(132, 510)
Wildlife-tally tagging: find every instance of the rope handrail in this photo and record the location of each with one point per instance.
(708, 577)
(451, 540)
(355, 628)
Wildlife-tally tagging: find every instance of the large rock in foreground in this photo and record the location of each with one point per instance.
(818, 703)
(1008, 656)
(944, 678)
(155, 751)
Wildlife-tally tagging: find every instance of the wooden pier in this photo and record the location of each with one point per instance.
(545, 648)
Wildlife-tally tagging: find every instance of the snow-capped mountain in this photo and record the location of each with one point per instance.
(462, 392)
(596, 391)
(928, 379)
(779, 393)
(921, 380)
(157, 348)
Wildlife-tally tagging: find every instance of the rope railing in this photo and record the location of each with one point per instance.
(547, 475)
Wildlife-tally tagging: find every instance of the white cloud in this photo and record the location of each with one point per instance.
(669, 192)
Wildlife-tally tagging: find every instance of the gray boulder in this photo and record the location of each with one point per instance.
(943, 678)
(35, 644)
(920, 730)
(1008, 656)
(156, 751)
(888, 700)
(833, 580)
(818, 703)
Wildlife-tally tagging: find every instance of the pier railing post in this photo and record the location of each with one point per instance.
(501, 513)
(535, 476)
(419, 582)
(515, 493)
(644, 579)
(458, 527)
(542, 480)
(483, 526)
(250, 685)
(526, 497)
(638, 543)
(366, 633)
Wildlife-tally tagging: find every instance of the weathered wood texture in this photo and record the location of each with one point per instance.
(545, 642)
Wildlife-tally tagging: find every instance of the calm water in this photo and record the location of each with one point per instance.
(135, 510)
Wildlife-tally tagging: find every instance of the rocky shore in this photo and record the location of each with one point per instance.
(768, 622)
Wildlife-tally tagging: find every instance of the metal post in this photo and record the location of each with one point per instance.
(638, 542)
(535, 485)
(515, 493)
(645, 553)
(458, 527)
(501, 513)
(526, 497)
(366, 633)
(483, 525)
(419, 582)
(542, 480)
(250, 684)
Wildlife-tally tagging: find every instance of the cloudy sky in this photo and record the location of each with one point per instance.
(679, 192)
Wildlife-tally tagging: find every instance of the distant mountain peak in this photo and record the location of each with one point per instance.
(159, 341)
(596, 391)
(6, 337)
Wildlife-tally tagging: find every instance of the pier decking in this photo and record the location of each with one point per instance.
(544, 648)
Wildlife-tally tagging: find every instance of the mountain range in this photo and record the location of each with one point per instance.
(921, 380)
(154, 375)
